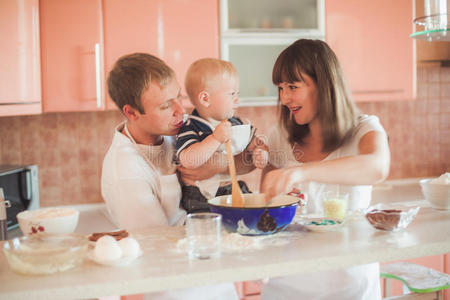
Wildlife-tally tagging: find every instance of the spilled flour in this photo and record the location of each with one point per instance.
(234, 242)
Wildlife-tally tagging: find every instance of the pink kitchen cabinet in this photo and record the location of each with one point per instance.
(20, 75)
(371, 40)
(177, 31)
(81, 40)
(71, 46)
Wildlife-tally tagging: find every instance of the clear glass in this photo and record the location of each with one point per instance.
(247, 59)
(253, 15)
(335, 205)
(45, 253)
(203, 231)
(391, 217)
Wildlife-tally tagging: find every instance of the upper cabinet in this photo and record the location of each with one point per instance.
(72, 57)
(82, 39)
(371, 40)
(20, 74)
(177, 31)
(254, 32)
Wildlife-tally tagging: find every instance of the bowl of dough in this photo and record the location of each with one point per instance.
(45, 253)
(437, 191)
(255, 217)
(48, 220)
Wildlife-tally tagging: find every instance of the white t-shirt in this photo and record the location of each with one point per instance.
(128, 188)
(359, 282)
(128, 184)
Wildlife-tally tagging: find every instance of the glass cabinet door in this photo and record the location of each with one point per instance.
(271, 15)
(254, 63)
(254, 32)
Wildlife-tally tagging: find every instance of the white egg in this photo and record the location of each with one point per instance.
(129, 246)
(107, 248)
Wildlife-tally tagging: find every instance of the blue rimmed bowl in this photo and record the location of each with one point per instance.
(255, 217)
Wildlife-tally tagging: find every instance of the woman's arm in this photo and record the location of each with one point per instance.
(370, 166)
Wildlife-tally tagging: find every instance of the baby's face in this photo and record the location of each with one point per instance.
(224, 98)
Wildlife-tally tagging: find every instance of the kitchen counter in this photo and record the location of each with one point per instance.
(165, 265)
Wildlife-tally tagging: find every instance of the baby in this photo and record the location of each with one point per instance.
(213, 88)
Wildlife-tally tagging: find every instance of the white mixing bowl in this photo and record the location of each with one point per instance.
(48, 220)
(437, 194)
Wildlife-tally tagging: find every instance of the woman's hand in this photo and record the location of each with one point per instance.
(281, 181)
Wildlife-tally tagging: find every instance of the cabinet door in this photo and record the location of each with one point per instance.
(177, 31)
(71, 34)
(20, 75)
(371, 40)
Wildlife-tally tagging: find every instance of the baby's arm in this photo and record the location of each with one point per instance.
(198, 153)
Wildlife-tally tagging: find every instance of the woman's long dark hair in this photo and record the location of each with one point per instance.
(336, 111)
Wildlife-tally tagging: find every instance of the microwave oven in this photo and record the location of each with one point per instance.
(20, 186)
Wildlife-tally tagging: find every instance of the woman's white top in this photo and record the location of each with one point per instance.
(128, 184)
(359, 282)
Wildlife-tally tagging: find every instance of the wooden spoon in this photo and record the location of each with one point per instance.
(237, 200)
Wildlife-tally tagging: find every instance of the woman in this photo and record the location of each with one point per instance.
(322, 144)
(139, 181)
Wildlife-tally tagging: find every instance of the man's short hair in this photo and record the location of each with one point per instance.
(131, 76)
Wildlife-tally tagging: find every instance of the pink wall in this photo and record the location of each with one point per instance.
(69, 147)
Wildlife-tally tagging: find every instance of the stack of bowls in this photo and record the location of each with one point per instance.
(438, 195)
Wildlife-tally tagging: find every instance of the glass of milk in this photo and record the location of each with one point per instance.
(335, 205)
(203, 232)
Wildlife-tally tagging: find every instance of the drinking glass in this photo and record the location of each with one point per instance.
(203, 231)
(335, 205)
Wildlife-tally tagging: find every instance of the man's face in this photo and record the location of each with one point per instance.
(163, 112)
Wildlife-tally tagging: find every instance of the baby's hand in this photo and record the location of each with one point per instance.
(222, 133)
(260, 158)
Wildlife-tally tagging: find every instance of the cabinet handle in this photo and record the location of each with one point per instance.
(98, 80)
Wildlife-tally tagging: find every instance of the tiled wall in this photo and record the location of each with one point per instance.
(69, 147)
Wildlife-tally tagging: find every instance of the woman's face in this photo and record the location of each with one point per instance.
(163, 110)
(301, 98)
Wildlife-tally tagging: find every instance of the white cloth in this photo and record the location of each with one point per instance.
(359, 282)
(128, 186)
(128, 190)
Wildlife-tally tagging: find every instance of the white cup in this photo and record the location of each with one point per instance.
(203, 235)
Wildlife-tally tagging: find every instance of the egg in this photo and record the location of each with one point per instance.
(107, 248)
(129, 246)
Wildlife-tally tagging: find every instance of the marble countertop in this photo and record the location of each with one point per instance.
(165, 264)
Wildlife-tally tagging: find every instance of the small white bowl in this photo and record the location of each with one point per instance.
(438, 195)
(48, 220)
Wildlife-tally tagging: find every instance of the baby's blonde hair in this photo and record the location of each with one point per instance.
(204, 72)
